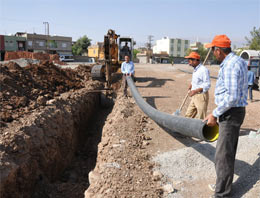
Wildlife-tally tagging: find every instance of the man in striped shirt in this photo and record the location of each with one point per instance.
(231, 99)
(199, 87)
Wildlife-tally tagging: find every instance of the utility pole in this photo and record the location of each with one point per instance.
(149, 44)
(46, 25)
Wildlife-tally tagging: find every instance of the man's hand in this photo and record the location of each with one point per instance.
(211, 120)
(192, 93)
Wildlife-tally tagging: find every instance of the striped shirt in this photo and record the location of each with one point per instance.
(200, 78)
(127, 68)
(231, 86)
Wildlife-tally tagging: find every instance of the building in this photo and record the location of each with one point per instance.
(144, 55)
(173, 47)
(46, 43)
(11, 44)
(96, 51)
(195, 46)
(162, 58)
(2, 47)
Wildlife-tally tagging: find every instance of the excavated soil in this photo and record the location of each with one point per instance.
(123, 166)
(25, 88)
(45, 111)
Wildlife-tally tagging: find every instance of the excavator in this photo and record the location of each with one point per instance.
(114, 53)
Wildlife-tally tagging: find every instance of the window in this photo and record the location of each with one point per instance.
(64, 45)
(29, 43)
(52, 44)
(11, 44)
(40, 43)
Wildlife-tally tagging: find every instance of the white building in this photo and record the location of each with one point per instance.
(173, 47)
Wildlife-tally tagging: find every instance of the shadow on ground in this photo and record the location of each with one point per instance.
(154, 82)
(247, 173)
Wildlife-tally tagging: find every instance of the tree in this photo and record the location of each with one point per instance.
(81, 46)
(135, 52)
(254, 42)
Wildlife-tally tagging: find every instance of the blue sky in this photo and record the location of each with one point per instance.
(185, 19)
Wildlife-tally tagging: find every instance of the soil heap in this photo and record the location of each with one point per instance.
(25, 88)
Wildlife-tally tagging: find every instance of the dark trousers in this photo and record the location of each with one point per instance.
(229, 127)
(125, 83)
(250, 91)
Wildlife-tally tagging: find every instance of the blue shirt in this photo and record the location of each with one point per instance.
(232, 86)
(127, 68)
(251, 77)
(200, 78)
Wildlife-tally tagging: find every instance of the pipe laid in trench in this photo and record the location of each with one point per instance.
(185, 126)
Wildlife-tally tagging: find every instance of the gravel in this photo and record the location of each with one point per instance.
(196, 163)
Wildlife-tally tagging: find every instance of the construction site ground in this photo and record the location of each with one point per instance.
(122, 152)
(181, 166)
(187, 163)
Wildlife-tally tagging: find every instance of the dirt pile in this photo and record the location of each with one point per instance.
(123, 168)
(32, 55)
(25, 88)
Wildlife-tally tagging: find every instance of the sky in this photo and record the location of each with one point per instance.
(195, 20)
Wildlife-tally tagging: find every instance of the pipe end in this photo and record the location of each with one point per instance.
(211, 133)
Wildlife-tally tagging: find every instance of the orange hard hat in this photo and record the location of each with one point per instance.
(219, 41)
(193, 55)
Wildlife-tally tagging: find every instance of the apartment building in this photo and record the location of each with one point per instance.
(46, 43)
(172, 46)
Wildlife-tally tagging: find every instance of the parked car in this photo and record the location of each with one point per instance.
(185, 62)
(66, 58)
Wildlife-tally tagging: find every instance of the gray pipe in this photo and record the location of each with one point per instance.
(185, 126)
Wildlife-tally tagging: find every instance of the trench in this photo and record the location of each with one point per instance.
(73, 181)
(50, 153)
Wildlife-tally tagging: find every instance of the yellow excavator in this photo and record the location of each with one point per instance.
(114, 50)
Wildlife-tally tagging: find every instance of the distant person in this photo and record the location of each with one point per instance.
(126, 50)
(251, 79)
(231, 99)
(198, 89)
(127, 68)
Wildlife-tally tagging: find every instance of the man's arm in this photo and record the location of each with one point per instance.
(132, 69)
(123, 68)
(206, 80)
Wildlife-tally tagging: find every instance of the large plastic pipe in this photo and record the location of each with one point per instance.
(185, 126)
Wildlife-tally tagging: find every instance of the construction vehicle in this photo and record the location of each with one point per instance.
(252, 58)
(114, 54)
